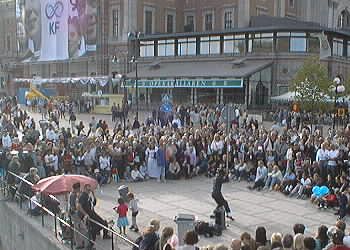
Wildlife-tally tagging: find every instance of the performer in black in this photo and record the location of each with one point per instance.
(217, 195)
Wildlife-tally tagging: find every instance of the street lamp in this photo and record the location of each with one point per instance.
(136, 37)
(336, 87)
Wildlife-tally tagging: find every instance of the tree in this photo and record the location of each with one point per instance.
(311, 84)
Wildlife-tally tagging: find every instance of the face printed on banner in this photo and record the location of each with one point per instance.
(33, 21)
(87, 11)
(74, 37)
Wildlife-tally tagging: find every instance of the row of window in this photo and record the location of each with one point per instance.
(240, 44)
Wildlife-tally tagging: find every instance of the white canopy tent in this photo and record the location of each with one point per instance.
(286, 97)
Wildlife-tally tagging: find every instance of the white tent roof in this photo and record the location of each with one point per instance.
(286, 97)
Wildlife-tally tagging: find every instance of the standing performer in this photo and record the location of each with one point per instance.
(217, 195)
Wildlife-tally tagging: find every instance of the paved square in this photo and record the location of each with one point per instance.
(250, 208)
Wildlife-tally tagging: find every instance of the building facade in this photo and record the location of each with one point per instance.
(193, 20)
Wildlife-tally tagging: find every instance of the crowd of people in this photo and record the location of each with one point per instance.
(193, 140)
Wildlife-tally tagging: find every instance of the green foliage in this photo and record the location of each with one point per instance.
(311, 84)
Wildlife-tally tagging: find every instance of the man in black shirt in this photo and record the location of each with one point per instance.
(86, 204)
(217, 195)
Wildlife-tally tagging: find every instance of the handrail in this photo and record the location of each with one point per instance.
(46, 210)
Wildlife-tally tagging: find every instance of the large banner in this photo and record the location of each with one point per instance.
(55, 29)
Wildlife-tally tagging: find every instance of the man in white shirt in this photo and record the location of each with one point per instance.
(6, 141)
(333, 155)
(50, 134)
(321, 158)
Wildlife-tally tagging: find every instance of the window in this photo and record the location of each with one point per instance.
(8, 43)
(147, 48)
(228, 23)
(148, 21)
(210, 45)
(187, 47)
(208, 22)
(338, 47)
(313, 44)
(261, 42)
(298, 42)
(283, 41)
(261, 11)
(348, 48)
(291, 4)
(344, 19)
(189, 24)
(170, 23)
(115, 23)
(166, 48)
(234, 44)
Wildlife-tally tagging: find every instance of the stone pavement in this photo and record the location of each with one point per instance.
(251, 209)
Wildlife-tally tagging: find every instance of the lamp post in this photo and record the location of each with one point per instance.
(336, 87)
(136, 37)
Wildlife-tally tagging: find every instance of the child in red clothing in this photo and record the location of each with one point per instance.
(122, 211)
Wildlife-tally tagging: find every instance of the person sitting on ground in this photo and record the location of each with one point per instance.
(174, 170)
(321, 239)
(337, 240)
(236, 244)
(287, 242)
(136, 175)
(191, 239)
(274, 178)
(298, 228)
(309, 243)
(298, 242)
(260, 178)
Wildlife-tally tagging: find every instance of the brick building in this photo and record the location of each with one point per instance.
(161, 20)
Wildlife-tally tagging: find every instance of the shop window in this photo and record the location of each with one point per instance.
(337, 47)
(234, 44)
(187, 47)
(261, 42)
(210, 45)
(147, 49)
(166, 48)
(298, 42)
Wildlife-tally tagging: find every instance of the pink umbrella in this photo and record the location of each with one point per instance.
(61, 184)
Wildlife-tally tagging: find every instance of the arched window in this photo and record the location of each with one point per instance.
(344, 19)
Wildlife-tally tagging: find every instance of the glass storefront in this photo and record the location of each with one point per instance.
(166, 48)
(210, 45)
(234, 44)
(260, 43)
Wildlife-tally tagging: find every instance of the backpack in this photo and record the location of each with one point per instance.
(203, 228)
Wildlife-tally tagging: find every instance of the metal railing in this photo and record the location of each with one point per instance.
(7, 189)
